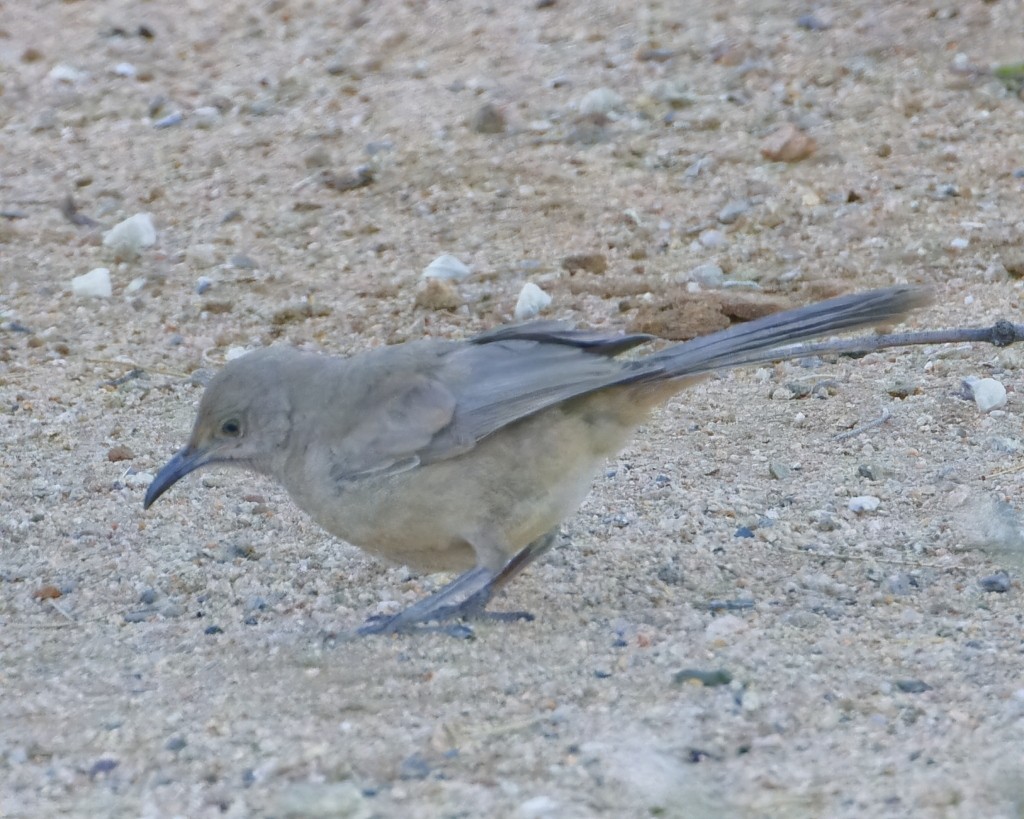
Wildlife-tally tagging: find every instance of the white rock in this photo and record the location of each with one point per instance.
(708, 275)
(130, 237)
(138, 480)
(62, 72)
(989, 394)
(234, 352)
(94, 284)
(600, 101)
(712, 238)
(959, 243)
(125, 70)
(532, 300)
(446, 267)
(206, 117)
(864, 503)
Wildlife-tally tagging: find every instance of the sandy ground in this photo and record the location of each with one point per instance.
(173, 662)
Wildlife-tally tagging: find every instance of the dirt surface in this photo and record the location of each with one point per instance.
(313, 157)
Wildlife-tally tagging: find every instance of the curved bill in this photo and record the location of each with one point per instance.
(184, 461)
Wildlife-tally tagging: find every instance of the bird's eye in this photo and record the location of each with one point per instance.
(232, 428)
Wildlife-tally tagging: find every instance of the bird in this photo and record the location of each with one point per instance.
(466, 456)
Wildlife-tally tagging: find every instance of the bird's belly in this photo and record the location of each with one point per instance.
(481, 507)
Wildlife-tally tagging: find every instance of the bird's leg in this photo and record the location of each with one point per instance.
(476, 588)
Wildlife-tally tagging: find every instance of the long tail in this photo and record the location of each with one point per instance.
(760, 340)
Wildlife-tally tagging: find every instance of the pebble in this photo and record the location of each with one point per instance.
(913, 686)
(130, 237)
(489, 120)
(94, 284)
(864, 503)
(724, 627)
(139, 480)
(733, 211)
(779, 470)
(172, 119)
(206, 116)
(600, 101)
(438, 294)
(446, 267)
(148, 597)
(708, 274)
(712, 239)
(987, 393)
(788, 144)
(531, 302)
(595, 263)
(959, 243)
(62, 72)
(203, 283)
(709, 679)
(125, 70)
(119, 453)
(998, 582)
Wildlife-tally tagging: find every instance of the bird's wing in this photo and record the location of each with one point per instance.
(436, 400)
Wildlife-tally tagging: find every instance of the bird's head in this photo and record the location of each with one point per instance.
(244, 418)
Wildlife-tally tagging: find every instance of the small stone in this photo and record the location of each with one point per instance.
(779, 470)
(959, 244)
(206, 116)
(743, 531)
(213, 630)
(998, 582)
(869, 471)
(129, 238)
(733, 211)
(446, 267)
(720, 629)
(708, 274)
(913, 686)
(172, 119)
(708, 679)
(66, 73)
(600, 101)
(788, 144)
(119, 453)
(864, 503)
(489, 120)
(318, 157)
(531, 302)
(175, 744)
(47, 593)
(240, 261)
(148, 597)
(902, 389)
(712, 239)
(94, 284)
(203, 283)
(438, 294)
(125, 70)
(588, 262)
(988, 394)
(138, 480)
(414, 767)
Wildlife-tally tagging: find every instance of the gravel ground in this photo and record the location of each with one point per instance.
(303, 162)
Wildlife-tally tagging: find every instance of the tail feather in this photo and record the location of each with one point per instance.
(760, 340)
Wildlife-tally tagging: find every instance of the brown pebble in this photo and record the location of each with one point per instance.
(590, 262)
(438, 294)
(788, 144)
(46, 593)
(218, 307)
(299, 312)
(119, 453)
(1013, 260)
(31, 55)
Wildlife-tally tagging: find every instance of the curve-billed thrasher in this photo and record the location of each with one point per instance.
(467, 455)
